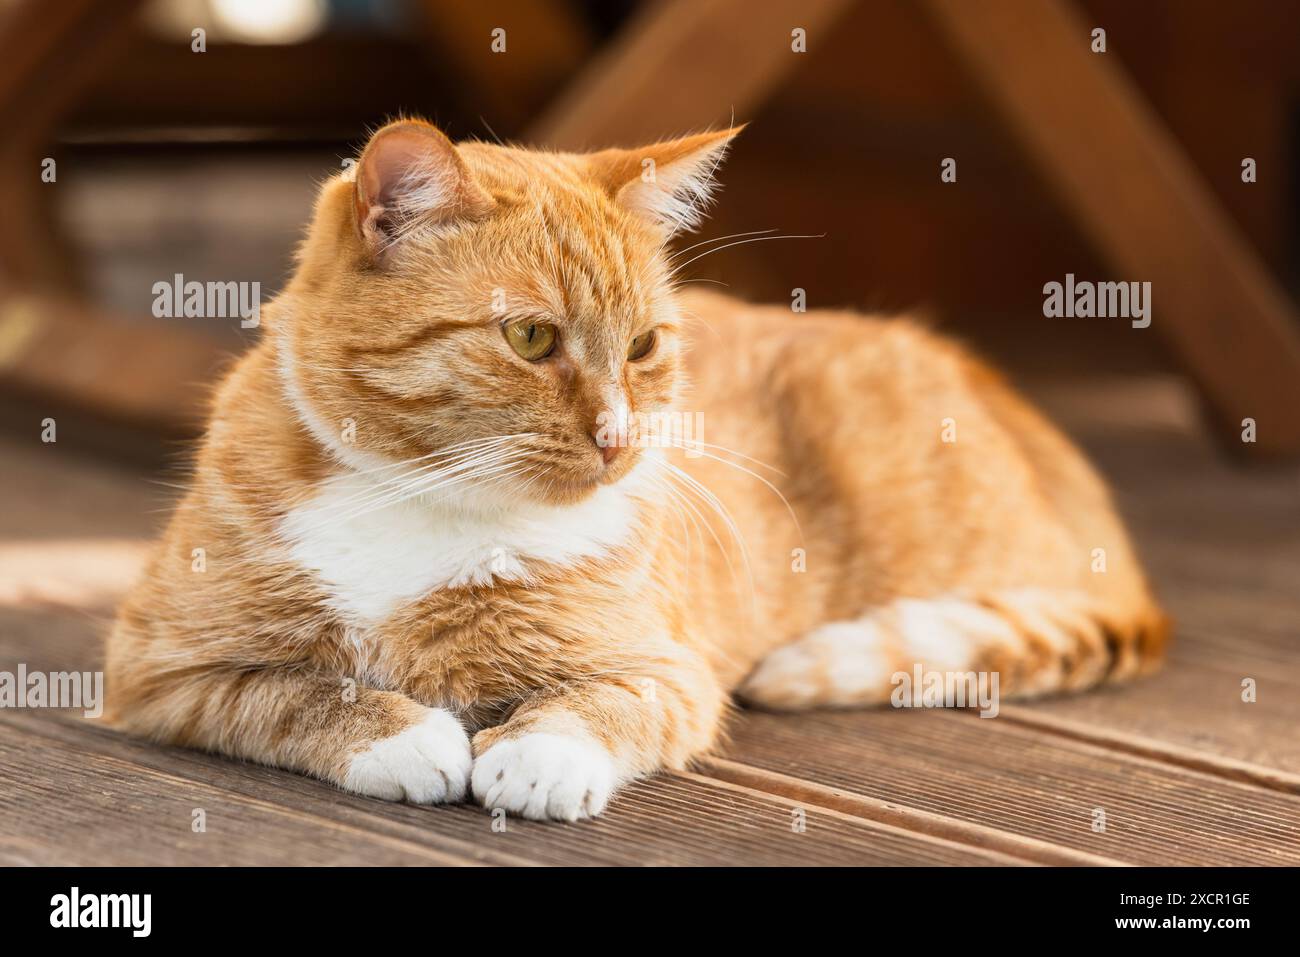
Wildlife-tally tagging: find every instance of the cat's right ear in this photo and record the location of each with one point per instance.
(410, 175)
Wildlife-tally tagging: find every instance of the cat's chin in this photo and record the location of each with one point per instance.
(571, 491)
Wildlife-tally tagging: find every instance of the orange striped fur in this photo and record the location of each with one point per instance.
(405, 565)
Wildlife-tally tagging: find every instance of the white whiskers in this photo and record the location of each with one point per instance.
(479, 461)
(692, 491)
(741, 242)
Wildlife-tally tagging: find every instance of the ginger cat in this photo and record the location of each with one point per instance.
(428, 570)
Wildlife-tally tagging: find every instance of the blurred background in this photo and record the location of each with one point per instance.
(149, 138)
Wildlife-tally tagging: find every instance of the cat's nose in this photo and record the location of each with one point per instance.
(608, 449)
(610, 430)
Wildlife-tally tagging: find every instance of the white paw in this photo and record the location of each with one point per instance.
(841, 663)
(428, 763)
(544, 776)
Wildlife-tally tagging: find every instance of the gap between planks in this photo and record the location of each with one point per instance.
(798, 791)
(1240, 772)
(742, 780)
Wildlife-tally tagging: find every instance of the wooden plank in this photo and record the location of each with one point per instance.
(1002, 776)
(1127, 183)
(1190, 713)
(1174, 724)
(667, 820)
(1221, 550)
(1269, 657)
(806, 791)
(64, 805)
(79, 575)
(58, 491)
(682, 65)
(53, 639)
(77, 532)
(1238, 597)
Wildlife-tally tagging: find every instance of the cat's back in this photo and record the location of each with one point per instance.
(771, 352)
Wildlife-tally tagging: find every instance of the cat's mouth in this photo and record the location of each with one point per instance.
(571, 481)
(614, 471)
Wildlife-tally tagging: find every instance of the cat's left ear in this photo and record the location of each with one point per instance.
(669, 183)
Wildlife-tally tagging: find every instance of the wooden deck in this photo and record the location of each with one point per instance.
(1185, 771)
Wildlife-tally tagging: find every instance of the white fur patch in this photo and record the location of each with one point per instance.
(428, 763)
(842, 662)
(853, 662)
(374, 562)
(930, 634)
(546, 776)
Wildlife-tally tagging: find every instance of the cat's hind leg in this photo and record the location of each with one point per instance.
(1036, 640)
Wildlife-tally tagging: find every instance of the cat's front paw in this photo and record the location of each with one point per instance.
(545, 776)
(428, 763)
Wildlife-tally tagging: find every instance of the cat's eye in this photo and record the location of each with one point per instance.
(532, 339)
(641, 346)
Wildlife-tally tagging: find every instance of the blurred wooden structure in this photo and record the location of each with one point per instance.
(1129, 186)
(52, 344)
(49, 54)
(678, 64)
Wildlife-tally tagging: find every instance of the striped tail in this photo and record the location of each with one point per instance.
(1038, 641)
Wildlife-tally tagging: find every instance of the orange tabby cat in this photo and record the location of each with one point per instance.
(427, 506)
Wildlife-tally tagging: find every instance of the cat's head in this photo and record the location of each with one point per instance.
(451, 296)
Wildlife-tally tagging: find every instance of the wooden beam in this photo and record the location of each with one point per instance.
(1126, 182)
(49, 55)
(682, 65)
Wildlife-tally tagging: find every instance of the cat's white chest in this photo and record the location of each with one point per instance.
(373, 562)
